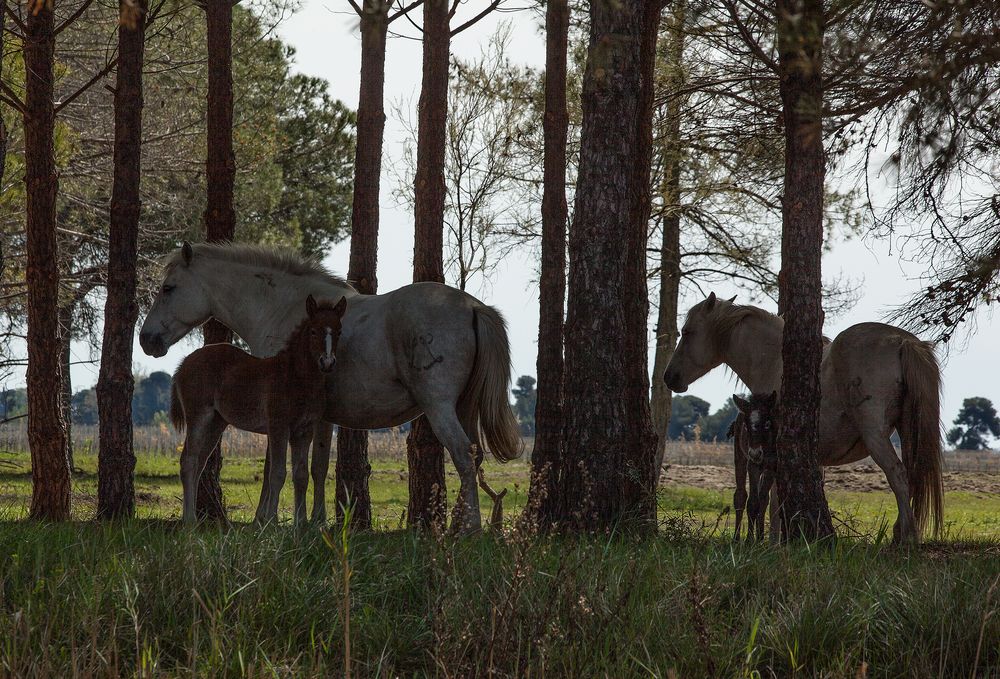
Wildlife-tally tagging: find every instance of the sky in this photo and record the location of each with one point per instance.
(327, 44)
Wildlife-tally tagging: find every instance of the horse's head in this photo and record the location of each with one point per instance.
(181, 304)
(699, 349)
(760, 413)
(322, 331)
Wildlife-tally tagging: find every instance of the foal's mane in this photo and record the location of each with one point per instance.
(284, 260)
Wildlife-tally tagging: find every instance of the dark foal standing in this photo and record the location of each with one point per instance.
(755, 433)
(282, 396)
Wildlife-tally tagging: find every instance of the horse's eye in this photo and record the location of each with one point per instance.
(167, 288)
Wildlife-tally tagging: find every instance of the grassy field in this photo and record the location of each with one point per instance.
(151, 598)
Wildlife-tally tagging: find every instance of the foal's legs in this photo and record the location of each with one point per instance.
(300, 470)
(277, 454)
(740, 495)
(322, 437)
(448, 429)
(203, 434)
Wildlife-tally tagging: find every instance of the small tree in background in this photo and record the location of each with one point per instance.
(975, 422)
(525, 400)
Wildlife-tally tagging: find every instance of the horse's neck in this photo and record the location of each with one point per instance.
(754, 353)
(262, 306)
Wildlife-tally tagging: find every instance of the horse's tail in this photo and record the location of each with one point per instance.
(483, 407)
(920, 433)
(176, 409)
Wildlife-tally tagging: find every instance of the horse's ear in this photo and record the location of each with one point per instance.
(187, 252)
(311, 306)
(741, 403)
(731, 299)
(341, 307)
(710, 304)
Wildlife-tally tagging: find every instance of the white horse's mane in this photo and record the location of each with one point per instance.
(284, 260)
(726, 315)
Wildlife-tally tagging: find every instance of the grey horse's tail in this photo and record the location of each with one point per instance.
(176, 409)
(920, 432)
(483, 408)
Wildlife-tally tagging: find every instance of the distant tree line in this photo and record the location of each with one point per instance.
(150, 402)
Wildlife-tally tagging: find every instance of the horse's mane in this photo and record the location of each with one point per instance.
(284, 260)
(725, 316)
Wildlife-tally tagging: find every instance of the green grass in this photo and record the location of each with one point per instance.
(152, 598)
(968, 516)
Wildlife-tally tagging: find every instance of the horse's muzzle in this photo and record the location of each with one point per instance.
(672, 379)
(327, 363)
(152, 344)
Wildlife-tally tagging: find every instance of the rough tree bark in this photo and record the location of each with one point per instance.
(424, 453)
(609, 443)
(220, 217)
(661, 400)
(65, 374)
(804, 510)
(353, 469)
(3, 126)
(545, 458)
(116, 458)
(50, 472)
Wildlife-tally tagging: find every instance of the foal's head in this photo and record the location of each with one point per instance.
(761, 415)
(320, 332)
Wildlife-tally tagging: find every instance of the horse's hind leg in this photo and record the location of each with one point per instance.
(882, 451)
(300, 471)
(448, 429)
(322, 438)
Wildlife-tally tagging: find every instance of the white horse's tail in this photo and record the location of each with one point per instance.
(176, 409)
(483, 408)
(920, 431)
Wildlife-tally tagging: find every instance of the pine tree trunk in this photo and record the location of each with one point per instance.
(661, 400)
(66, 388)
(116, 458)
(800, 483)
(3, 126)
(424, 453)
(547, 453)
(610, 447)
(353, 469)
(220, 217)
(50, 473)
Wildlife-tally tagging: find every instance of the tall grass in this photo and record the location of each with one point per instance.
(153, 599)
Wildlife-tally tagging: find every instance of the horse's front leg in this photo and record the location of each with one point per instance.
(322, 438)
(277, 453)
(300, 470)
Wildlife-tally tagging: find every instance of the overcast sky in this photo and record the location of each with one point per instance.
(325, 37)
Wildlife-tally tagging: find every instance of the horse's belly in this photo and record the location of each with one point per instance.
(376, 404)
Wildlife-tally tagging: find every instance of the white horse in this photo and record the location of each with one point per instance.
(425, 349)
(874, 378)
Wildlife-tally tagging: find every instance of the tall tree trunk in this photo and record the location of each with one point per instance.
(66, 388)
(50, 473)
(610, 447)
(547, 453)
(220, 217)
(3, 126)
(670, 248)
(424, 453)
(800, 60)
(116, 458)
(353, 469)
